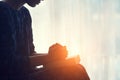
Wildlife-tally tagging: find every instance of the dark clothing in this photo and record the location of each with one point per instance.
(16, 43)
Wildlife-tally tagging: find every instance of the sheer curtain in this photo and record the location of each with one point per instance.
(89, 28)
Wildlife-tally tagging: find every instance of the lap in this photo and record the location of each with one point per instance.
(71, 72)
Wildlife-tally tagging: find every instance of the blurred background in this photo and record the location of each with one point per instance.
(89, 28)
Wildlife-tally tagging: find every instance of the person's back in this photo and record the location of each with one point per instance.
(14, 45)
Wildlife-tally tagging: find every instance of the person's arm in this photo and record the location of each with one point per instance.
(34, 58)
(38, 59)
(56, 52)
(41, 59)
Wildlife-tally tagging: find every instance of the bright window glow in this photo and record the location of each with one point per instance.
(89, 28)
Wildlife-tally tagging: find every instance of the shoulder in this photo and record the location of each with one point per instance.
(25, 13)
(24, 10)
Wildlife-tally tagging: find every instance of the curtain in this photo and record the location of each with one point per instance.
(89, 28)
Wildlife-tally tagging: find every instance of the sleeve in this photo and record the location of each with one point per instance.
(12, 64)
(29, 30)
(32, 47)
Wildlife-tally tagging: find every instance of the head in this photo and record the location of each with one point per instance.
(33, 3)
(17, 4)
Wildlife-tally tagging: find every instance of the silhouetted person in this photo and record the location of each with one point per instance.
(16, 41)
